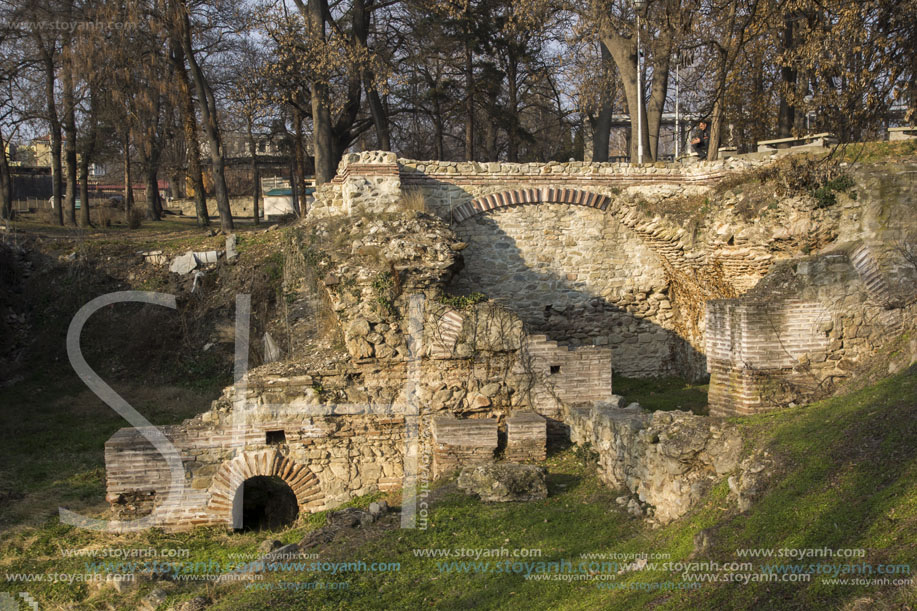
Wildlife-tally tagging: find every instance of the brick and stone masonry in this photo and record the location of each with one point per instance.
(564, 245)
(282, 426)
(588, 273)
(458, 443)
(526, 437)
(800, 333)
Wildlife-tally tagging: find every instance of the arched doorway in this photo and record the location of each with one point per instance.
(227, 492)
(265, 502)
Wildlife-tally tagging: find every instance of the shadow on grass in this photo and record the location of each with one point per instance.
(562, 482)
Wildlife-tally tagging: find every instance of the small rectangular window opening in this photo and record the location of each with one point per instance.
(275, 437)
(555, 369)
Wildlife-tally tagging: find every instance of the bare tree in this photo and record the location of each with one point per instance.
(179, 19)
(12, 64)
(189, 128)
(46, 45)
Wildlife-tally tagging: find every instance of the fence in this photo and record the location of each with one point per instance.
(29, 205)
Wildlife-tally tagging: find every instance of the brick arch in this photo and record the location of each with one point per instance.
(233, 473)
(661, 235)
(520, 197)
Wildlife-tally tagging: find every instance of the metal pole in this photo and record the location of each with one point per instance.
(639, 98)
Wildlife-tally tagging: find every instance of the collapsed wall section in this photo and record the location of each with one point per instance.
(667, 460)
(805, 329)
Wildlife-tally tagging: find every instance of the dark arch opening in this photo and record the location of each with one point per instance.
(268, 503)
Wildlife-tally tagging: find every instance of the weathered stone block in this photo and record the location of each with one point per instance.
(504, 482)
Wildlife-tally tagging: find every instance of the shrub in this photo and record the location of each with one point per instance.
(462, 302)
(413, 199)
(103, 216)
(825, 193)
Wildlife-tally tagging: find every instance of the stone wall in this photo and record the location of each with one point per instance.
(667, 460)
(324, 458)
(805, 329)
(378, 178)
(336, 433)
(577, 275)
(590, 266)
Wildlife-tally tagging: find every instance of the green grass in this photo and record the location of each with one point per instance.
(175, 233)
(871, 152)
(668, 393)
(846, 478)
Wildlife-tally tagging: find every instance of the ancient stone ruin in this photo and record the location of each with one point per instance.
(417, 376)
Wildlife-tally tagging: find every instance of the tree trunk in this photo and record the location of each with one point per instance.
(361, 22)
(128, 178)
(89, 145)
(190, 130)
(84, 191)
(439, 121)
(716, 130)
(656, 103)
(438, 139)
(299, 161)
(491, 127)
(469, 99)
(911, 116)
(624, 52)
(786, 112)
(256, 177)
(728, 49)
(601, 129)
(342, 128)
(323, 146)
(150, 180)
(54, 132)
(512, 95)
(153, 204)
(6, 182)
(150, 153)
(207, 103)
(70, 140)
(601, 122)
(376, 108)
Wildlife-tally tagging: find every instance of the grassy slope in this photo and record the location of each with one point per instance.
(53, 429)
